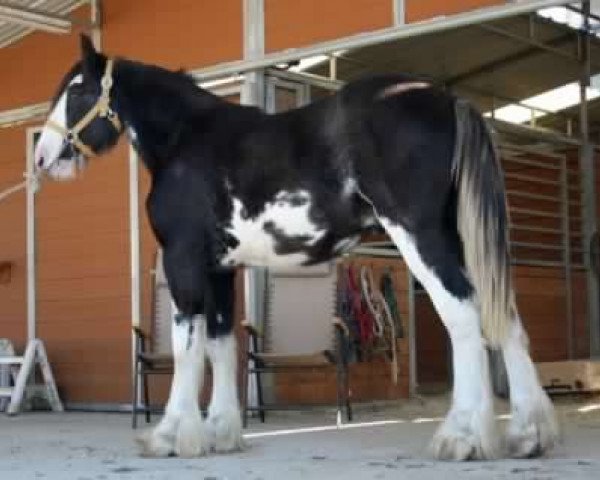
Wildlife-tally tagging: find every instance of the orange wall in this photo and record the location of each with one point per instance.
(175, 34)
(13, 311)
(32, 68)
(416, 10)
(317, 20)
(83, 280)
(292, 23)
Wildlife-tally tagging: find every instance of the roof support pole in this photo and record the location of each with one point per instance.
(399, 12)
(96, 25)
(134, 254)
(30, 240)
(253, 93)
(588, 177)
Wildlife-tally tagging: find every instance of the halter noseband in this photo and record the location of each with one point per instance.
(100, 109)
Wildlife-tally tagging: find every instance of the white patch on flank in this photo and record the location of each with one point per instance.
(257, 246)
(224, 419)
(51, 142)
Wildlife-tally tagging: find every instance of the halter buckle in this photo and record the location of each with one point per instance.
(106, 83)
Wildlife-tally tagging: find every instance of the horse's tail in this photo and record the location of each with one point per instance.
(482, 219)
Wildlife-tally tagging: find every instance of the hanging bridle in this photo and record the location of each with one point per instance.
(100, 109)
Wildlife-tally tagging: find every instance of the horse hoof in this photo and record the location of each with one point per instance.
(155, 445)
(226, 431)
(466, 436)
(192, 439)
(534, 433)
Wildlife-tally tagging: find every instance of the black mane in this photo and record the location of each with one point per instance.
(175, 86)
(160, 105)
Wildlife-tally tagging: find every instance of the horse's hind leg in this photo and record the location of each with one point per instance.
(533, 428)
(468, 431)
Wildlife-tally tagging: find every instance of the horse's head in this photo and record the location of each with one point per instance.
(83, 121)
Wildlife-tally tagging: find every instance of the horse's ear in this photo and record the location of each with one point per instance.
(87, 46)
(91, 60)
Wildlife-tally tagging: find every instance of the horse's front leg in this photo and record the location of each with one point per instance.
(224, 419)
(181, 431)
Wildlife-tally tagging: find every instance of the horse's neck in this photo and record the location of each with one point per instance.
(156, 106)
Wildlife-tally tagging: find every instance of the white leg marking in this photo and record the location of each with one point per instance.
(468, 432)
(181, 431)
(224, 419)
(533, 428)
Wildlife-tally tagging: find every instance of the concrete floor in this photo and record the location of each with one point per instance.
(99, 446)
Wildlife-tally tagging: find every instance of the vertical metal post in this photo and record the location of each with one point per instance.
(333, 64)
(134, 236)
(253, 93)
(399, 12)
(305, 95)
(566, 228)
(30, 239)
(588, 177)
(413, 381)
(134, 248)
(96, 14)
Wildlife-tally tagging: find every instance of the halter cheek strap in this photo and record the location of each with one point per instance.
(100, 109)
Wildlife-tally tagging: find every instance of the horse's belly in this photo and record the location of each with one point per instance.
(281, 236)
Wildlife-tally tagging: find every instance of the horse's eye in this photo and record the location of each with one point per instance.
(76, 90)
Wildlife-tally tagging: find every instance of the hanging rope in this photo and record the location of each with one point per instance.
(384, 328)
(33, 180)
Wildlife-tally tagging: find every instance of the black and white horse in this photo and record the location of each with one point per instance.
(233, 186)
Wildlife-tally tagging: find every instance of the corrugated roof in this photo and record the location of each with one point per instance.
(11, 32)
(479, 62)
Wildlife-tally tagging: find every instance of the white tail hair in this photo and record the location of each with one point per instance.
(483, 221)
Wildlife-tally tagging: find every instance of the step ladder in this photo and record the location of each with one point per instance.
(19, 369)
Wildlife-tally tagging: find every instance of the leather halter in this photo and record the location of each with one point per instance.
(100, 109)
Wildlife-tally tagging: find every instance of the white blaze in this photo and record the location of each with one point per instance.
(51, 142)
